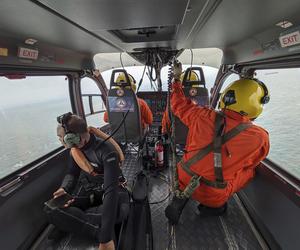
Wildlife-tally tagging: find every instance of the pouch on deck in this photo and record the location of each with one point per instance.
(137, 233)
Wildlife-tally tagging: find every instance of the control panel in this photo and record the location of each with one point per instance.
(157, 102)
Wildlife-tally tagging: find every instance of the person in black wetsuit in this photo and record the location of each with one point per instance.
(98, 197)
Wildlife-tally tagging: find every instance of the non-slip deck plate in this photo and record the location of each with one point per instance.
(193, 232)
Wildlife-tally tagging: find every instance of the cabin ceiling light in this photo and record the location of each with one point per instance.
(30, 41)
(284, 24)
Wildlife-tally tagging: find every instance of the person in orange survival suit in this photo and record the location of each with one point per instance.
(146, 114)
(213, 177)
(165, 123)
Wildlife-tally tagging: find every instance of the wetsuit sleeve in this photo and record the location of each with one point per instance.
(183, 107)
(71, 177)
(105, 117)
(146, 112)
(110, 202)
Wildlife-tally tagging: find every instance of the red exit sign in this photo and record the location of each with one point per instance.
(28, 53)
(290, 39)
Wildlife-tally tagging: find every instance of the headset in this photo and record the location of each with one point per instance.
(266, 98)
(229, 97)
(134, 81)
(70, 139)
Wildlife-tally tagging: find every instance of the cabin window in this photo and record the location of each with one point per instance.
(28, 111)
(93, 105)
(281, 116)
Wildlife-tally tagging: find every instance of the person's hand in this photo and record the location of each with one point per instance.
(59, 192)
(107, 246)
(177, 70)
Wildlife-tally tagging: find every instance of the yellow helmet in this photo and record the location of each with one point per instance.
(193, 76)
(245, 96)
(121, 78)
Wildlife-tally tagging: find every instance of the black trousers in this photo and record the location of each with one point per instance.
(83, 216)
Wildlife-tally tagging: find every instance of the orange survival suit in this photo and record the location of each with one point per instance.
(240, 155)
(146, 114)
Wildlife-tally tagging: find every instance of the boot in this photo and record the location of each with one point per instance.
(212, 211)
(174, 209)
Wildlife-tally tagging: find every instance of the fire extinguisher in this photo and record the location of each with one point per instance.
(159, 153)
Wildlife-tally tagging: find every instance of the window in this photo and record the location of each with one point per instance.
(210, 74)
(93, 105)
(28, 111)
(281, 116)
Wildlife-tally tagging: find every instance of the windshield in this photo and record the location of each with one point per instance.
(210, 74)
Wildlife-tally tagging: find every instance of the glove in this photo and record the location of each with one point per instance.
(174, 209)
(177, 70)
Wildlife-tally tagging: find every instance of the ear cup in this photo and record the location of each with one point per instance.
(266, 98)
(71, 139)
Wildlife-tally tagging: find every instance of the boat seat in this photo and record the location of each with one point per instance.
(123, 111)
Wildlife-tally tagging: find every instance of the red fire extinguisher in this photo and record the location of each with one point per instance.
(159, 153)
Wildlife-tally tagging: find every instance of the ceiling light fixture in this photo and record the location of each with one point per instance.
(30, 41)
(284, 24)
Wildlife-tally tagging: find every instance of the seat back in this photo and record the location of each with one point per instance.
(123, 110)
(198, 93)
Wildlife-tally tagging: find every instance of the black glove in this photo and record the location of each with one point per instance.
(174, 209)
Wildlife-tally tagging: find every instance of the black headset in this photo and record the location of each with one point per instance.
(134, 81)
(266, 98)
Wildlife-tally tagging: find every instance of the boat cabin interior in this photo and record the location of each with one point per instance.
(58, 56)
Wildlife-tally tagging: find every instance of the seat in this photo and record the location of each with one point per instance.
(123, 110)
(195, 90)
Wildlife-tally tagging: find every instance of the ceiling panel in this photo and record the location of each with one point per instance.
(120, 14)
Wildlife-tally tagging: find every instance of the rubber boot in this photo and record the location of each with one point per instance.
(174, 209)
(212, 211)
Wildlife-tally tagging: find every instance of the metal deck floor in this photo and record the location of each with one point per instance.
(194, 232)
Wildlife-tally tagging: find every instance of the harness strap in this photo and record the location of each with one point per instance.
(217, 146)
(214, 146)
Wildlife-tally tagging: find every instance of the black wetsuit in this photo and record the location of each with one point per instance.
(98, 199)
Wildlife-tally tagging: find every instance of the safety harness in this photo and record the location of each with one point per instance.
(216, 147)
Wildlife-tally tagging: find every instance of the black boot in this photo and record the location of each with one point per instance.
(212, 211)
(174, 209)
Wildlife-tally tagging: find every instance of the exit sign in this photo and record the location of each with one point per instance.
(290, 39)
(28, 53)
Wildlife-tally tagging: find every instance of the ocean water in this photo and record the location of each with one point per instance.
(28, 132)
